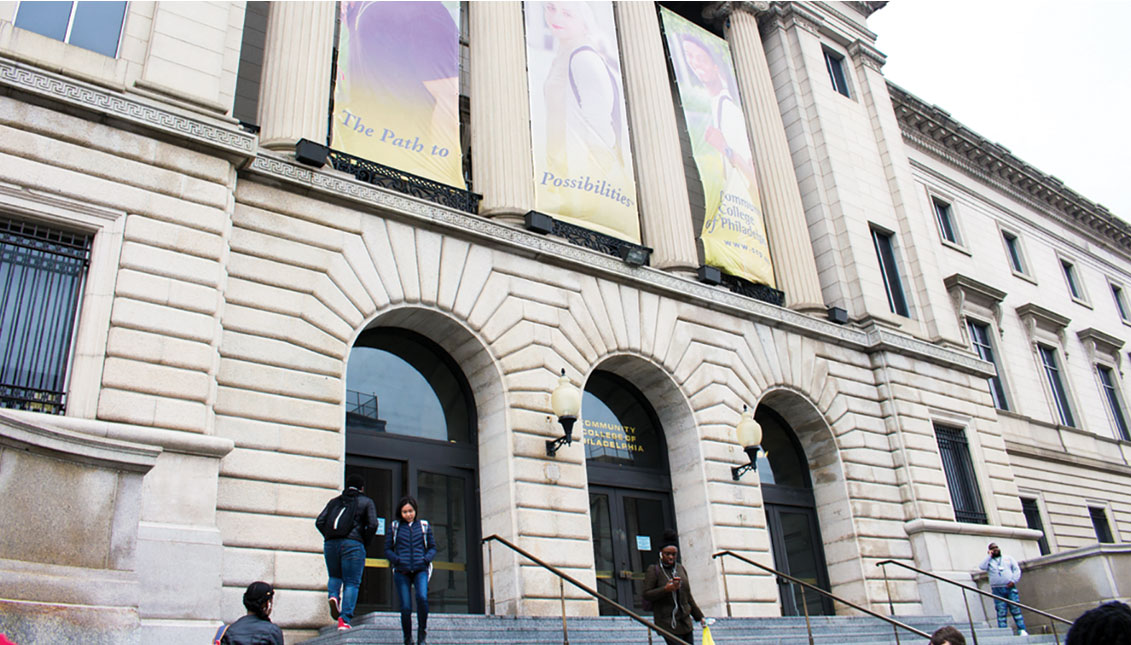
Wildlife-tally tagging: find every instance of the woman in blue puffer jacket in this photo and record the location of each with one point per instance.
(410, 548)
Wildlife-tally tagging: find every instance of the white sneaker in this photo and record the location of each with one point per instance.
(1022, 633)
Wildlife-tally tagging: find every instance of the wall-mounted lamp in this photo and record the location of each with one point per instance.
(750, 438)
(566, 402)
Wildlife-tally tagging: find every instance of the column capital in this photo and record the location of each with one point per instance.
(719, 11)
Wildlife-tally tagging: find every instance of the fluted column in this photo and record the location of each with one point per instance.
(661, 188)
(501, 161)
(795, 268)
(294, 98)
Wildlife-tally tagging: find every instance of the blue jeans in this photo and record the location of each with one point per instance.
(345, 562)
(403, 582)
(1002, 607)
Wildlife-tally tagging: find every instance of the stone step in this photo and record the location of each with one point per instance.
(452, 629)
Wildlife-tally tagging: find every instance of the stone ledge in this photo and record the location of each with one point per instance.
(171, 440)
(914, 527)
(74, 446)
(37, 581)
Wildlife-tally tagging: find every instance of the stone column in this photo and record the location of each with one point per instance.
(501, 159)
(795, 268)
(294, 98)
(661, 188)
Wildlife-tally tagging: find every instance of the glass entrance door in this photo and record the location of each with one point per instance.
(796, 542)
(628, 527)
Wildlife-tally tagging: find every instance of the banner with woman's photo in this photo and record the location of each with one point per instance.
(734, 233)
(583, 170)
(396, 95)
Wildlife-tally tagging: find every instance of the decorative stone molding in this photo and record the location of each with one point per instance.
(1037, 319)
(913, 527)
(964, 289)
(18, 77)
(1097, 342)
(786, 14)
(869, 55)
(867, 8)
(417, 211)
(933, 131)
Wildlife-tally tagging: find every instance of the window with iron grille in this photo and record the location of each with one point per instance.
(42, 272)
(965, 495)
(1099, 523)
(1033, 521)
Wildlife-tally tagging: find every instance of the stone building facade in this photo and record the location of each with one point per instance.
(205, 416)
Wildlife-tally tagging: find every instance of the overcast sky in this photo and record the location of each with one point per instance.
(1048, 80)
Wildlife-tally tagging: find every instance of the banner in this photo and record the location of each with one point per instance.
(734, 233)
(396, 97)
(583, 170)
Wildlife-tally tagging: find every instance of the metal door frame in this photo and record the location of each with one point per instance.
(797, 500)
(621, 544)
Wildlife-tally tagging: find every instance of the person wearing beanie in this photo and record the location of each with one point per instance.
(256, 627)
(347, 524)
(666, 586)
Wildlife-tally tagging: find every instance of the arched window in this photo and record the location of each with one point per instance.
(782, 461)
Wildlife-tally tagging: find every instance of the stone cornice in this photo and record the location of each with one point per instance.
(867, 54)
(22, 78)
(932, 130)
(330, 183)
(867, 8)
(974, 290)
(1043, 318)
(1097, 341)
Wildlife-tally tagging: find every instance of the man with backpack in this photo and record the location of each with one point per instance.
(348, 523)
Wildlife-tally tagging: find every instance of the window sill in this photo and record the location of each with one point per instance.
(955, 246)
(1024, 276)
(1082, 302)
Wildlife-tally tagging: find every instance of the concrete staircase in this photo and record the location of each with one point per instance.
(453, 629)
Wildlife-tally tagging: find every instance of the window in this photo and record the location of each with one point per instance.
(96, 26)
(959, 470)
(980, 337)
(945, 220)
(835, 64)
(1114, 401)
(892, 284)
(1033, 521)
(1072, 280)
(1056, 385)
(41, 274)
(1013, 247)
(1099, 523)
(1120, 303)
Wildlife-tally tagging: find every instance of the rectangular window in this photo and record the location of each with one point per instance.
(946, 220)
(1114, 401)
(1033, 521)
(980, 337)
(41, 274)
(885, 253)
(1099, 523)
(835, 64)
(96, 26)
(964, 492)
(1120, 303)
(1056, 385)
(1013, 245)
(1070, 277)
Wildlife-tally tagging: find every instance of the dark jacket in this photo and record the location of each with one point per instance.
(412, 548)
(253, 630)
(364, 520)
(676, 617)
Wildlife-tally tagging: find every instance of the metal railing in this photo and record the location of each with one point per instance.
(1053, 619)
(895, 624)
(562, 579)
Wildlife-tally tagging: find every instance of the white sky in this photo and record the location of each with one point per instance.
(1048, 80)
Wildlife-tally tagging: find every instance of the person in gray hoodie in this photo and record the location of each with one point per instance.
(1004, 574)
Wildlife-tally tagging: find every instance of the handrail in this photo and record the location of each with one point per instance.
(563, 576)
(976, 590)
(891, 621)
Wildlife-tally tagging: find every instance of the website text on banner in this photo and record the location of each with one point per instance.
(734, 232)
(396, 96)
(582, 157)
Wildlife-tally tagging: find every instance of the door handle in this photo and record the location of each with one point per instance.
(624, 574)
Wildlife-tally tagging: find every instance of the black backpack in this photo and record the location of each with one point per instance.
(340, 513)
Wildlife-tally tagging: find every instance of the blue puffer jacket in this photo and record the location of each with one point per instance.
(412, 548)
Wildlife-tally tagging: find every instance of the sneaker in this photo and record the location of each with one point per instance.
(1022, 633)
(335, 607)
(343, 625)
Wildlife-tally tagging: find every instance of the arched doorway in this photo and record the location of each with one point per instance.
(410, 430)
(630, 490)
(791, 514)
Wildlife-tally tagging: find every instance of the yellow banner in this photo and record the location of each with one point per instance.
(396, 96)
(734, 233)
(583, 170)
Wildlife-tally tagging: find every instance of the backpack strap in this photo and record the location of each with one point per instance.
(220, 634)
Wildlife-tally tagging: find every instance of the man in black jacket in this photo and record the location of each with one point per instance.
(667, 588)
(347, 523)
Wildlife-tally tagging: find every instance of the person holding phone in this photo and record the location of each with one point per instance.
(667, 588)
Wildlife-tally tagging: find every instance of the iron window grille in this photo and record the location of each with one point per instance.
(965, 495)
(1033, 521)
(42, 272)
(384, 176)
(1056, 385)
